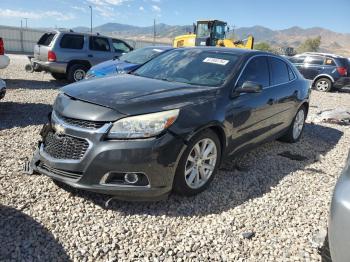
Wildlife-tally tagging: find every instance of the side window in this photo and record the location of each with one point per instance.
(297, 59)
(257, 71)
(329, 61)
(99, 44)
(120, 46)
(314, 60)
(72, 41)
(279, 71)
(291, 74)
(46, 39)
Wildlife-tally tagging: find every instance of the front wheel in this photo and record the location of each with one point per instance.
(198, 164)
(296, 128)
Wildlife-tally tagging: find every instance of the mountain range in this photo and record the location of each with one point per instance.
(330, 41)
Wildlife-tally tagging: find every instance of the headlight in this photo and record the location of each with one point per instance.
(143, 126)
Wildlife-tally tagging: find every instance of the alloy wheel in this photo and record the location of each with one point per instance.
(200, 163)
(298, 124)
(79, 75)
(322, 85)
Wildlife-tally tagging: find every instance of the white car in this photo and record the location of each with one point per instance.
(4, 59)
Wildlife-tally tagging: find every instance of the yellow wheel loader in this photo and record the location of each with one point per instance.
(211, 33)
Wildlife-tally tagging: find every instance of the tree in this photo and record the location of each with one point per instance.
(262, 46)
(310, 45)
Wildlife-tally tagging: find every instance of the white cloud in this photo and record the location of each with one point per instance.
(156, 8)
(9, 13)
(141, 8)
(156, 1)
(79, 8)
(107, 2)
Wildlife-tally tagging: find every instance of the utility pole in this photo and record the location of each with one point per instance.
(21, 24)
(26, 22)
(154, 31)
(90, 18)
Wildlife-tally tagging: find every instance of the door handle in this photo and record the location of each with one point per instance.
(271, 101)
(90, 56)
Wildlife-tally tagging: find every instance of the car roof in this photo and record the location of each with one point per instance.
(237, 51)
(320, 54)
(158, 47)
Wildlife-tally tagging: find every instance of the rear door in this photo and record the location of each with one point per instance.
(43, 46)
(100, 49)
(313, 66)
(283, 93)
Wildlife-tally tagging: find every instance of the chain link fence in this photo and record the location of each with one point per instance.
(22, 40)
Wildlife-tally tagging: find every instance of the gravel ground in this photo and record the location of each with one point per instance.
(283, 202)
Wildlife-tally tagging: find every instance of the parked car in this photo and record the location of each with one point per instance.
(4, 59)
(168, 125)
(2, 89)
(69, 55)
(326, 71)
(339, 219)
(126, 62)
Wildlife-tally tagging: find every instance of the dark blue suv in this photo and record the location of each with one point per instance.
(326, 71)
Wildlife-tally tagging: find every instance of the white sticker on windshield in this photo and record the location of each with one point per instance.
(157, 50)
(216, 61)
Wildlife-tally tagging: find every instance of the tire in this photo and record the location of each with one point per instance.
(191, 162)
(323, 85)
(76, 73)
(298, 123)
(59, 76)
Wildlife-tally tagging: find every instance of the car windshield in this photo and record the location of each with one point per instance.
(140, 56)
(191, 66)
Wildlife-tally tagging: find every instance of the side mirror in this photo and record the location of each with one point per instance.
(249, 87)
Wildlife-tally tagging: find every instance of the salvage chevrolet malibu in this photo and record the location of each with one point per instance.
(168, 125)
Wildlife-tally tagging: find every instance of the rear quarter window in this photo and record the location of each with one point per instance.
(279, 71)
(46, 39)
(72, 41)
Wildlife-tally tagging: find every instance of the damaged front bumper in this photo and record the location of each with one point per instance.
(105, 163)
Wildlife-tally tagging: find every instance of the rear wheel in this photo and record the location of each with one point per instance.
(77, 73)
(59, 76)
(198, 164)
(323, 85)
(296, 128)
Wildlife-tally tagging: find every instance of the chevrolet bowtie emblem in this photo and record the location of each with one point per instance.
(58, 129)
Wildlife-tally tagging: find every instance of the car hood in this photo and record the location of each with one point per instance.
(111, 67)
(129, 94)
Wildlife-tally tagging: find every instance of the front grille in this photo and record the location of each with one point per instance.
(65, 147)
(82, 123)
(62, 173)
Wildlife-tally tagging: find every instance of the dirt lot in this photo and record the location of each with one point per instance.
(284, 202)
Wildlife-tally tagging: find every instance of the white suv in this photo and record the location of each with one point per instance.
(4, 59)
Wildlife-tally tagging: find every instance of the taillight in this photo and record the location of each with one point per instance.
(51, 56)
(2, 48)
(342, 71)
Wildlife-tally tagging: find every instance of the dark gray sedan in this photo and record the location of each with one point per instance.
(168, 125)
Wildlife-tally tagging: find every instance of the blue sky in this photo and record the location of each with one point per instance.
(334, 15)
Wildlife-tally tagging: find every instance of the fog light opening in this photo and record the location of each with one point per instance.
(131, 178)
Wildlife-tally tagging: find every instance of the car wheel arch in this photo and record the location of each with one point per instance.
(81, 62)
(217, 128)
(330, 78)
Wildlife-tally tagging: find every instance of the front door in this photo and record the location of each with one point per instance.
(100, 50)
(250, 114)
